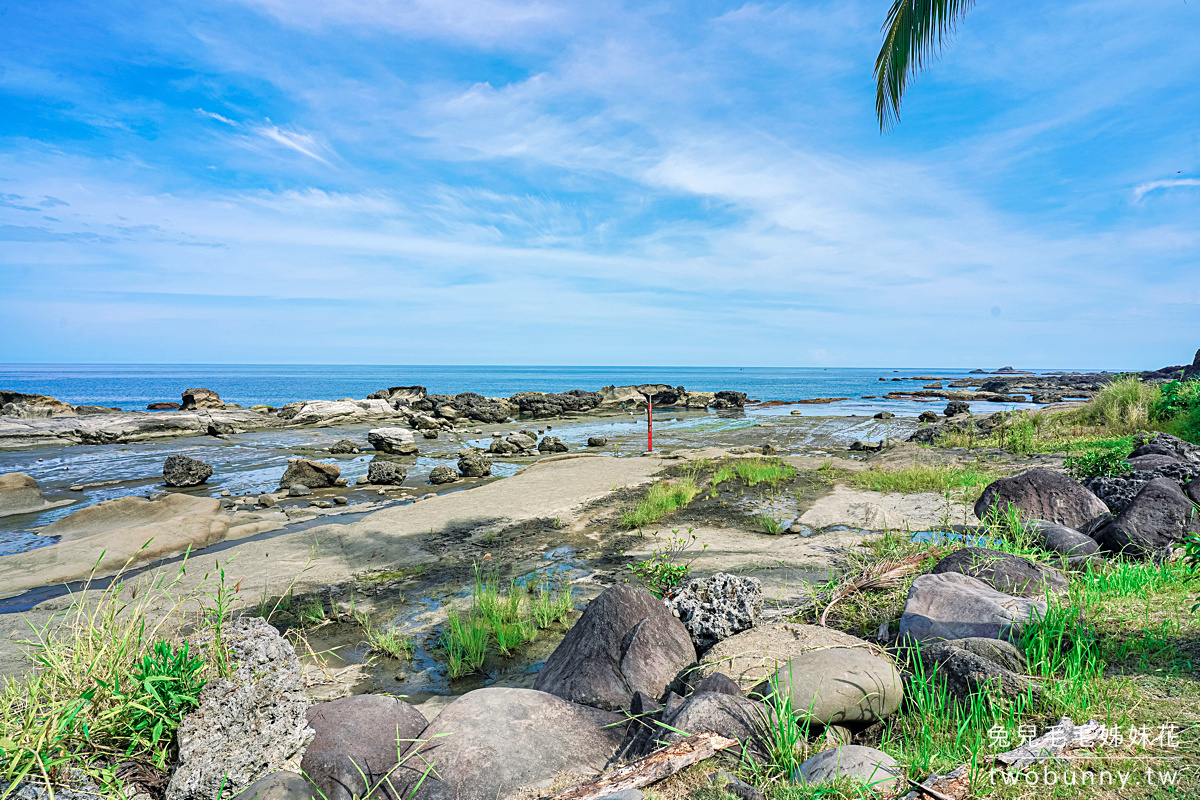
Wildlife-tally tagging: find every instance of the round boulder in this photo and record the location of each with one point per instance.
(344, 447)
(356, 733)
(502, 447)
(752, 655)
(1004, 572)
(442, 474)
(491, 744)
(282, 785)
(552, 444)
(179, 470)
(1061, 539)
(951, 605)
(1042, 494)
(474, 464)
(596, 441)
(313, 474)
(875, 768)
(626, 641)
(838, 685)
(384, 472)
(956, 408)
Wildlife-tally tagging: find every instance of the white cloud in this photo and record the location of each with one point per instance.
(1141, 191)
(300, 142)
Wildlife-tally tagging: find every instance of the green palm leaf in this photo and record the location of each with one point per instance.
(912, 36)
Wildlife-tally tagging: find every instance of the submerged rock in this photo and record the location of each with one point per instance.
(717, 607)
(20, 494)
(180, 470)
(246, 726)
(384, 472)
(398, 441)
(313, 474)
(344, 447)
(474, 464)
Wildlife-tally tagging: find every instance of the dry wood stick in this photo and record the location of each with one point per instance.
(662, 763)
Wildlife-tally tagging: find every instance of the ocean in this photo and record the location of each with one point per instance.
(132, 387)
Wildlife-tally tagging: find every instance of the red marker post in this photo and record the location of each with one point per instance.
(649, 425)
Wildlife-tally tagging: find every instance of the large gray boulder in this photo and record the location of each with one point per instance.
(1042, 494)
(968, 669)
(246, 726)
(491, 744)
(1004, 572)
(384, 472)
(717, 607)
(313, 474)
(180, 470)
(20, 494)
(357, 736)
(398, 441)
(474, 464)
(875, 768)
(955, 606)
(838, 685)
(626, 641)
(1160, 517)
(1060, 539)
(751, 656)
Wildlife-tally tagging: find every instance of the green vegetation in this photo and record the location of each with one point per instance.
(1177, 409)
(770, 524)
(1122, 406)
(504, 620)
(668, 566)
(761, 470)
(389, 642)
(661, 499)
(1105, 457)
(111, 682)
(970, 479)
(549, 607)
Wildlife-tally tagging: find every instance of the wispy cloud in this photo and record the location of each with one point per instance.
(1173, 183)
(302, 143)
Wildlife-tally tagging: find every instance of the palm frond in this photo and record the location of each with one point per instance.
(912, 36)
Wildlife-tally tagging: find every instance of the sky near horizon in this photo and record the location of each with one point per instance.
(690, 183)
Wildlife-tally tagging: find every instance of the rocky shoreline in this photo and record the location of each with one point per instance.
(28, 420)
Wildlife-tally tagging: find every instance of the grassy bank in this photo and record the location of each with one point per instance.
(112, 680)
(1122, 408)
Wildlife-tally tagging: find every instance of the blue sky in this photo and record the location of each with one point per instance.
(501, 182)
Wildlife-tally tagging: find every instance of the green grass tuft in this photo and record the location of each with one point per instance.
(661, 499)
(927, 479)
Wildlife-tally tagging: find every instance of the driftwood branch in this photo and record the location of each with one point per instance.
(662, 763)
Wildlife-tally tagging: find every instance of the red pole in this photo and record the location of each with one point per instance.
(650, 425)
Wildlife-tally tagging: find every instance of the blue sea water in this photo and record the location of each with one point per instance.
(133, 386)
